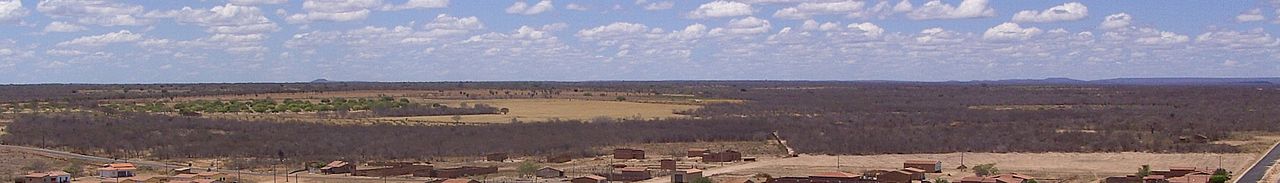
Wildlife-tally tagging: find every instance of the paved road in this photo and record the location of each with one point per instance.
(1255, 173)
(162, 165)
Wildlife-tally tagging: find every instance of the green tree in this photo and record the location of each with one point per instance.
(504, 110)
(527, 168)
(75, 169)
(941, 180)
(1144, 171)
(986, 169)
(1219, 179)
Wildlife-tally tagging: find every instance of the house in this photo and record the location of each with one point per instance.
(625, 153)
(137, 179)
(1001, 178)
(696, 152)
(1197, 177)
(686, 176)
(905, 175)
(114, 170)
(499, 157)
(454, 181)
(338, 167)
(589, 179)
(563, 158)
(667, 164)
(725, 156)
(929, 166)
(1172, 175)
(391, 171)
(630, 174)
(45, 177)
(548, 172)
(839, 177)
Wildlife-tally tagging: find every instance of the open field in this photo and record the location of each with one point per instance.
(533, 110)
(1069, 167)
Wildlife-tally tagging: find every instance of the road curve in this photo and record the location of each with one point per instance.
(155, 164)
(1258, 170)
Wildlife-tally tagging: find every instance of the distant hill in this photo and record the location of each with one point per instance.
(322, 80)
(1139, 81)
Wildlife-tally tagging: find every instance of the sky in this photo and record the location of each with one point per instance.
(162, 41)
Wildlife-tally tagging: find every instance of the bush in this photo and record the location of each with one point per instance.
(986, 169)
(527, 168)
(1219, 179)
(701, 180)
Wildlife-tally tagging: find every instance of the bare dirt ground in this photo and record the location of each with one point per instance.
(536, 110)
(18, 163)
(1068, 167)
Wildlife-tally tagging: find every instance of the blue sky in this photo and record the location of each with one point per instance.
(152, 41)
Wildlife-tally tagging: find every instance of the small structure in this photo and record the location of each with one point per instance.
(589, 179)
(625, 153)
(1172, 175)
(338, 167)
(548, 172)
(631, 174)
(840, 177)
(906, 175)
(499, 157)
(696, 152)
(114, 170)
(686, 176)
(184, 170)
(45, 177)
(736, 180)
(667, 164)
(392, 171)
(1001, 178)
(749, 159)
(454, 181)
(562, 158)
(929, 166)
(725, 156)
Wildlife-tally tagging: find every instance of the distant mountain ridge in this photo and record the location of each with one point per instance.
(1144, 81)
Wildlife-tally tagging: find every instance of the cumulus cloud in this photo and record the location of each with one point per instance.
(936, 9)
(1116, 21)
(1251, 16)
(1251, 39)
(11, 10)
(576, 7)
(902, 6)
(93, 12)
(334, 10)
(718, 9)
(809, 9)
(444, 22)
(256, 2)
(59, 26)
(226, 19)
(418, 4)
(659, 5)
(520, 7)
(1010, 31)
(99, 40)
(742, 26)
(1066, 12)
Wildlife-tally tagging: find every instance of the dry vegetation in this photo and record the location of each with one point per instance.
(536, 110)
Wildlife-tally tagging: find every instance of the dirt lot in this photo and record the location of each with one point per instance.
(18, 163)
(1069, 167)
(534, 110)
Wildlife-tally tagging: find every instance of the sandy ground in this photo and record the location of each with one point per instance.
(1068, 167)
(534, 110)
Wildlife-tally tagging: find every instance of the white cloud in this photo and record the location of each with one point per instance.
(256, 2)
(334, 10)
(99, 40)
(446, 22)
(1115, 21)
(902, 6)
(520, 7)
(659, 5)
(58, 26)
(742, 26)
(616, 29)
(809, 9)
(937, 35)
(1065, 12)
(936, 9)
(575, 7)
(718, 9)
(1010, 31)
(418, 4)
(1251, 16)
(11, 10)
(93, 12)
(1255, 38)
(226, 19)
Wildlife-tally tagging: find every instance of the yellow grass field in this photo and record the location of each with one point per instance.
(536, 110)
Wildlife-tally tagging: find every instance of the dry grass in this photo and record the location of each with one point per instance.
(1069, 167)
(534, 110)
(18, 163)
